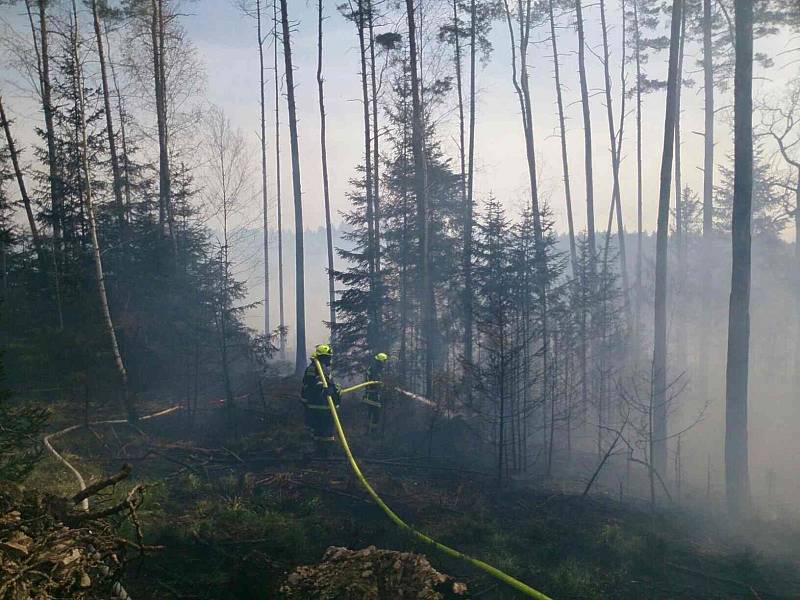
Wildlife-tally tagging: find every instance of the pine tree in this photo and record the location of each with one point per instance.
(771, 198)
(20, 435)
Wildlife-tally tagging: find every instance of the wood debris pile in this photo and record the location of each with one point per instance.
(371, 574)
(50, 549)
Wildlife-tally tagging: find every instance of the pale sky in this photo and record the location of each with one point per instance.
(226, 44)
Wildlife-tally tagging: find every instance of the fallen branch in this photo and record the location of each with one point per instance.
(124, 473)
(652, 470)
(131, 501)
(605, 458)
(718, 578)
(47, 440)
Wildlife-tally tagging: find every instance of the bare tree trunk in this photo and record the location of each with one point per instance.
(162, 211)
(165, 209)
(112, 145)
(466, 260)
(678, 191)
(708, 142)
(376, 182)
(47, 105)
(591, 245)
(160, 121)
(405, 258)
(524, 18)
(466, 201)
(369, 184)
(680, 226)
(615, 160)
(708, 195)
(264, 202)
(164, 99)
(639, 179)
(325, 187)
(587, 133)
(501, 444)
(122, 134)
(223, 304)
(573, 253)
(737, 478)
(462, 150)
(23, 191)
(281, 305)
(98, 264)
(300, 308)
(658, 394)
(420, 190)
(468, 209)
(797, 279)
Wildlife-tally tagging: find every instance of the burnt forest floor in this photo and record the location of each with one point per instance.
(234, 517)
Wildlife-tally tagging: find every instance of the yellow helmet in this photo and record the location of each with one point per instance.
(323, 350)
(382, 356)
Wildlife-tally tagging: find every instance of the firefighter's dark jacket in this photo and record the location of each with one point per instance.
(314, 394)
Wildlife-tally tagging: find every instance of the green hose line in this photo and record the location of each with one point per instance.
(494, 572)
(359, 386)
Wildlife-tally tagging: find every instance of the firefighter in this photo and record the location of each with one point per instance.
(373, 395)
(314, 397)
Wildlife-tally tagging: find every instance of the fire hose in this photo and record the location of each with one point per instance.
(118, 592)
(493, 571)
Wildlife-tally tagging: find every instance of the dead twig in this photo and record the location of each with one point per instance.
(91, 490)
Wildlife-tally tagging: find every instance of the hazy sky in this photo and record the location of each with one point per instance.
(226, 44)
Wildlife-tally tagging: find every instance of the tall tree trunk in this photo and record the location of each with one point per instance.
(678, 191)
(708, 195)
(122, 134)
(405, 253)
(639, 179)
(587, 133)
(279, 201)
(376, 182)
(226, 286)
(468, 208)
(43, 70)
(23, 191)
(372, 320)
(797, 280)
(737, 478)
(525, 20)
(112, 145)
(420, 191)
(591, 244)
(158, 36)
(466, 260)
(680, 225)
(658, 394)
(98, 264)
(573, 253)
(462, 146)
(615, 159)
(300, 307)
(708, 112)
(325, 187)
(162, 211)
(264, 202)
(164, 109)
(47, 106)
(523, 94)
